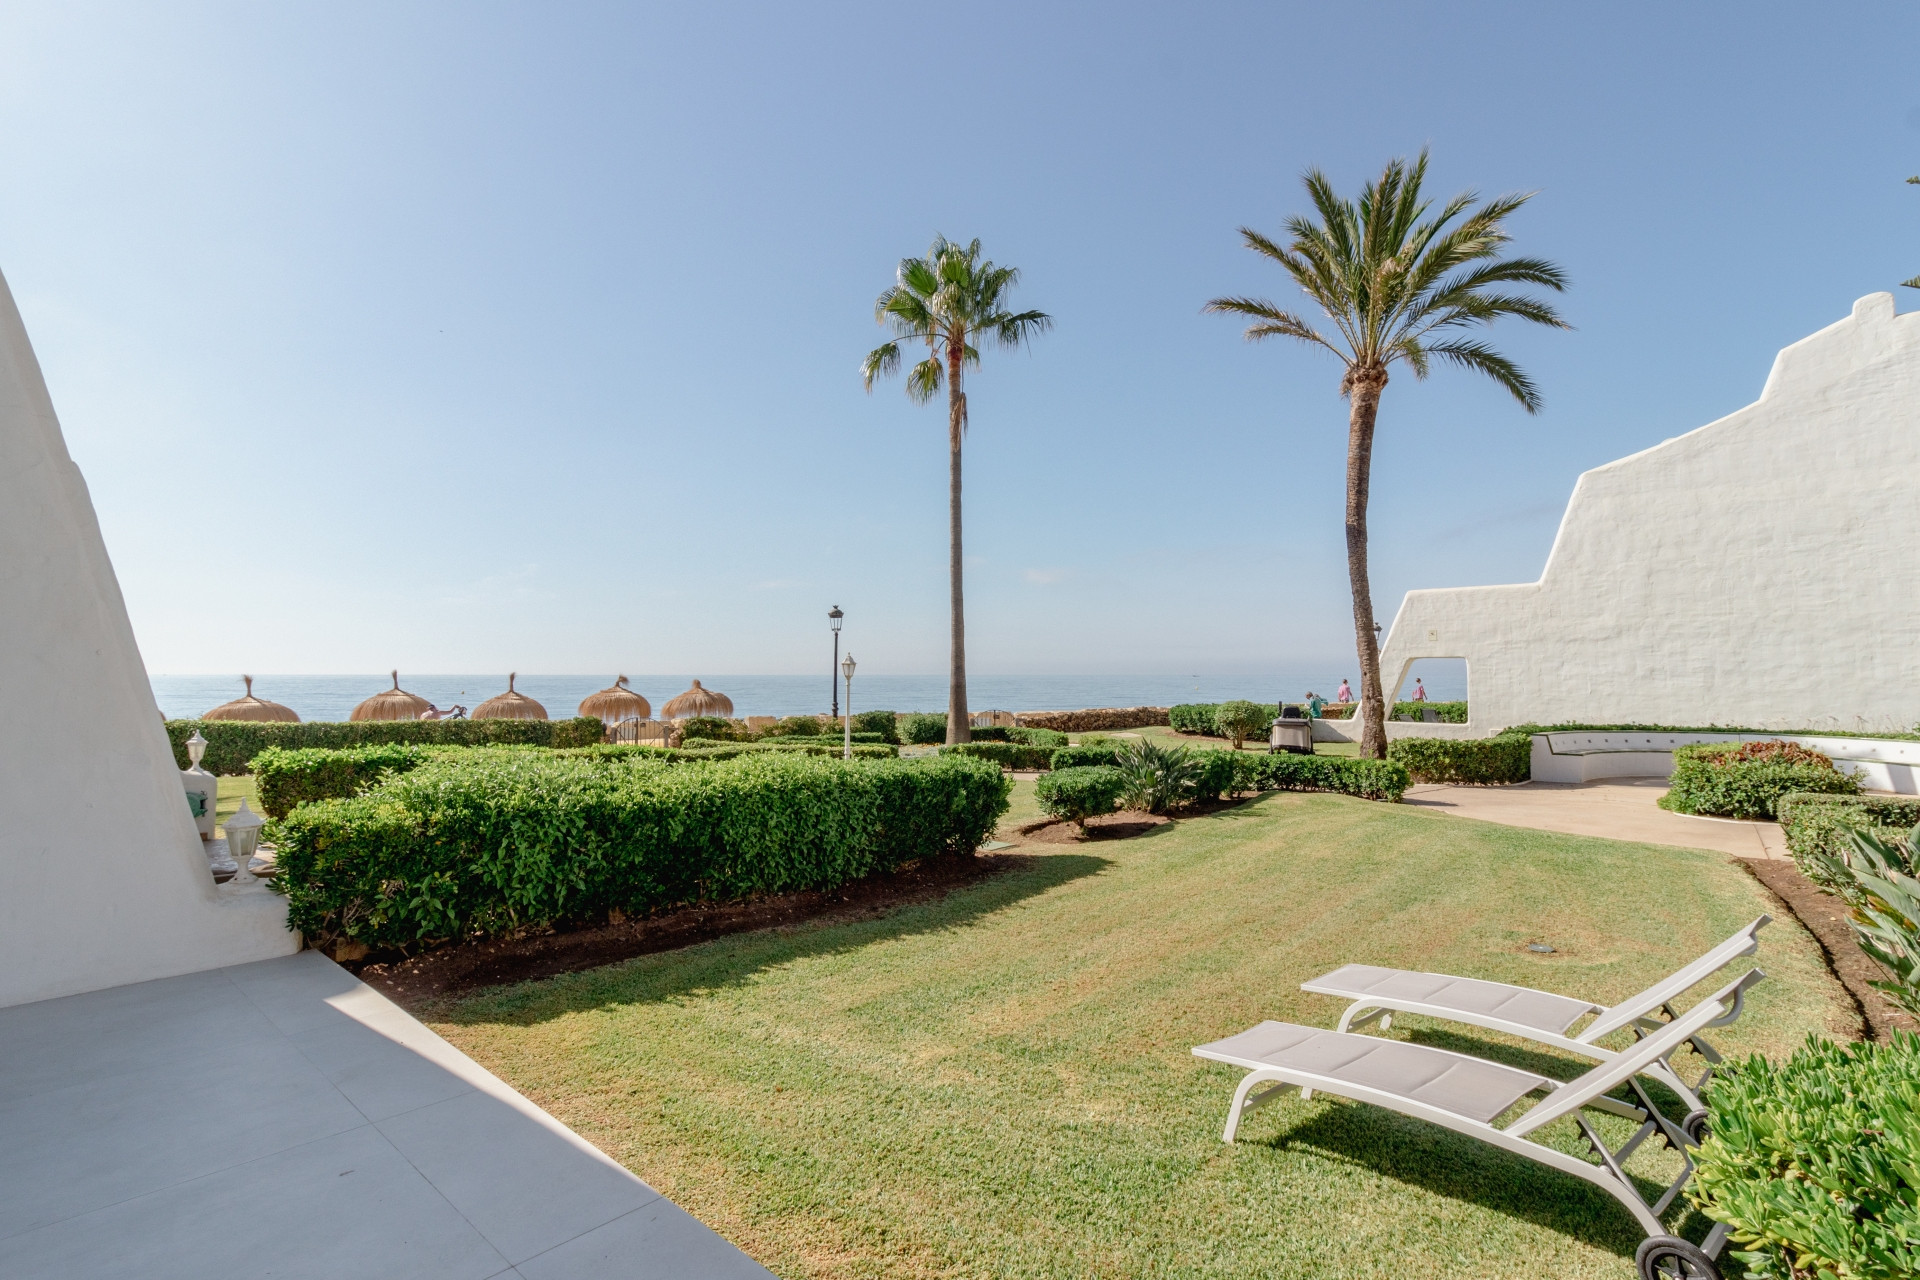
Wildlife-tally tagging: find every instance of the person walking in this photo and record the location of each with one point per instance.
(1419, 690)
(1346, 692)
(1315, 705)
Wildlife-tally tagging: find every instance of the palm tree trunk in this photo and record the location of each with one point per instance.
(1364, 387)
(959, 721)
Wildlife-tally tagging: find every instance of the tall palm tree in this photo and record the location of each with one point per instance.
(949, 300)
(1396, 285)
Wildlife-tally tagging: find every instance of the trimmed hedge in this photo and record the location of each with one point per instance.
(924, 728)
(1008, 755)
(1713, 778)
(1192, 717)
(1503, 758)
(232, 744)
(1080, 793)
(711, 750)
(486, 847)
(1095, 719)
(884, 723)
(1815, 1162)
(1240, 720)
(1369, 779)
(1084, 755)
(818, 738)
(1447, 712)
(1817, 826)
(1049, 738)
(286, 778)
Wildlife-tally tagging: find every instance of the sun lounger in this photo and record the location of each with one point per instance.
(1540, 1016)
(1467, 1094)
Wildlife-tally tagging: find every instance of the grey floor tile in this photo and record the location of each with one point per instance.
(348, 1207)
(525, 1185)
(70, 1151)
(293, 990)
(377, 1075)
(658, 1242)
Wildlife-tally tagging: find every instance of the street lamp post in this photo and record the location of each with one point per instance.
(846, 669)
(833, 620)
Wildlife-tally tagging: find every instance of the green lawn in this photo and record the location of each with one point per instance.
(999, 1084)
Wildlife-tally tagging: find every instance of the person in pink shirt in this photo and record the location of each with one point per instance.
(1419, 690)
(1345, 694)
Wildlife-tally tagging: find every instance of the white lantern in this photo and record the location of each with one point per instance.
(243, 836)
(196, 747)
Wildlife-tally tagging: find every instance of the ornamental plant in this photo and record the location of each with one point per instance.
(1193, 717)
(1505, 757)
(1748, 780)
(1815, 1162)
(1080, 793)
(1240, 720)
(1157, 778)
(1877, 881)
(924, 728)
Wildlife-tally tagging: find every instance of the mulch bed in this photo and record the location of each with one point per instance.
(1825, 917)
(469, 966)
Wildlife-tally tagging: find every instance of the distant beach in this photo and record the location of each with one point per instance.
(333, 697)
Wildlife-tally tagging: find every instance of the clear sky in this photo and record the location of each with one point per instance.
(467, 337)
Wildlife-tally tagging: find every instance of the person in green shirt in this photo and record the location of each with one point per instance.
(1314, 704)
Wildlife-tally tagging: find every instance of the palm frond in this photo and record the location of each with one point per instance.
(1021, 328)
(881, 362)
(1476, 355)
(924, 380)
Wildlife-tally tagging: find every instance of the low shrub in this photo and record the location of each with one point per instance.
(485, 847)
(708, 749)
(1444, 712)
(1157, 778)
(796, 727)
(1503, 758)
(834, 738)
(1193, 717)
(1095, 718)
(1080, 793)
(1815, 1162)
(713, 729)
(989, 733)
(1369, 779)
(286, 778)
(1085, 755)
(1240, 720)
(1008, 755)
(1052, 738)
(884, 723)
(232, 744)
(923, 728)
(1748, 780)
(1817, 827)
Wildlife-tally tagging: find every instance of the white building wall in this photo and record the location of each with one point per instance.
(1762, 571)
(102, 876)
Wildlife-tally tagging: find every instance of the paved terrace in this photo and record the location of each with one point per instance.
(1619, 808)
(283, 1119)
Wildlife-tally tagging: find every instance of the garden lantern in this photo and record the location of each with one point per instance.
(833, 620)
(243, 837)
(196, 747)
(846, 669)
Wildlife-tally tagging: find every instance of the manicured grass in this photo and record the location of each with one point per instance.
(999, 1084)
(232, 789)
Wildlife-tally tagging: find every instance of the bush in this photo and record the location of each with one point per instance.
(1505, 757)
(232, 744)
(1240, 720)
(1817, 827)
(1748, 780)
(796, 727)
(989, 733)
(834, 738)
(1368, 779)
(1080, 793)
(1157, 778)
(1193, 717)
(288, 778)
(1051, 738)
(884, 723)
(1815, 1163)
(713, 729)
(924, 728)
(1085, 755)
(485, 847)
(1008, 755)
(1444, 712)
(1094, 718)
(708, 749)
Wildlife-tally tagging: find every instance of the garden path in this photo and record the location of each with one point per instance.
(1618, 808)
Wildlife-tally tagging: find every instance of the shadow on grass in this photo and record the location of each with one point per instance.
(736, 958)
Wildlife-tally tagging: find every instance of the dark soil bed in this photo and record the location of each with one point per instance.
(469, 966)
(1825, 917)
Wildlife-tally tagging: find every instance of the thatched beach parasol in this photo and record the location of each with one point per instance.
(391, 704)
(510, 706)
(698, 702)
(252, 708)
(617, 703)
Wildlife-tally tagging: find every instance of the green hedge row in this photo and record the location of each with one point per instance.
(1447, 712)
(1084, 756)
(781, 739)
(1369, 779)
(1008, 755)
(1192, 717)
(1817, 826)
(1503, 758)
(1080, 793)
(286, 778)
(232, 744)
(485, 846)
(1705, 780)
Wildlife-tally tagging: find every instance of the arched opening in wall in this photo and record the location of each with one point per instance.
(1442, 681)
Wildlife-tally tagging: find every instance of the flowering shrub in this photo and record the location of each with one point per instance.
(1748, 780)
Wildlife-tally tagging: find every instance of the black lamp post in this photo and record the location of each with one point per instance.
(833, 673)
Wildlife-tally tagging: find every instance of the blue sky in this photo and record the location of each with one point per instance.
(469, 337)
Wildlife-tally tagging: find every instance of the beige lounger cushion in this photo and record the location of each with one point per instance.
(1450, 1081)
(1521, 1005)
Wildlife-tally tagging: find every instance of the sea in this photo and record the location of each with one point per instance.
(323, 697)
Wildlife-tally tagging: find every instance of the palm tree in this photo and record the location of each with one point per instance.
(1396, 285)
(949, 299)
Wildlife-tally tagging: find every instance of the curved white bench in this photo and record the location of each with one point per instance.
(1880, 764)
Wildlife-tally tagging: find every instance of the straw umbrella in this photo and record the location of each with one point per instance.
(391, 704)
(698, 702)
(616, 703)
(510, 706)
(252, 708)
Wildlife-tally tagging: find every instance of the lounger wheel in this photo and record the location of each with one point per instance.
(1671, 1258)
(1695, 1125)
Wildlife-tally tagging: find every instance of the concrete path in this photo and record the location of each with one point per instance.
(283, 1119)
(1619, 808)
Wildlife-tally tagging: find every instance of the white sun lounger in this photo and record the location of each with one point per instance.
(1540, 1016)
(1468, 1094)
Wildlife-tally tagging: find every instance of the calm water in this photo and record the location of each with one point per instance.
(332, 697)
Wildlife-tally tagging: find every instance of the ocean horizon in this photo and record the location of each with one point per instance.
(333, 697)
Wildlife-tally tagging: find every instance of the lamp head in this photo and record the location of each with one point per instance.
(846, 668)
(833, 617)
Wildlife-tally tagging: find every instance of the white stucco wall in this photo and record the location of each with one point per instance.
(102, 877)
(1762, 571)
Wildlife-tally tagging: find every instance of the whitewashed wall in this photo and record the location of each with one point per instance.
(102, 877)
(1762, 571)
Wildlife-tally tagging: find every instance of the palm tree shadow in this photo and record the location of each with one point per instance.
(730, 961)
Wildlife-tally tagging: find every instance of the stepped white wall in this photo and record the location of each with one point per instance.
(1762, 571)
(102, 877)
